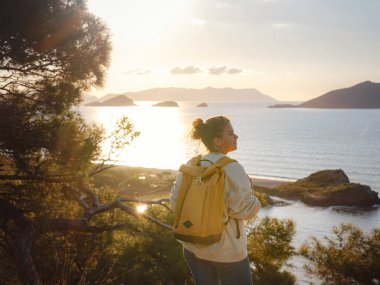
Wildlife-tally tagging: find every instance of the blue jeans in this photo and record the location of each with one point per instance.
(218, 273)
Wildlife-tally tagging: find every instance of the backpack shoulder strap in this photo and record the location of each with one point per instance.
(217, 166)
(195, 160)
(223, 161)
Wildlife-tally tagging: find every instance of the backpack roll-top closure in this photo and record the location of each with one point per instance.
(204, 171)
(199, 171)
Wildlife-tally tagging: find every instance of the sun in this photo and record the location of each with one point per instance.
(140, 22)
(141, 208)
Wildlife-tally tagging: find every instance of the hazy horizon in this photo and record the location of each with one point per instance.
(291, 50)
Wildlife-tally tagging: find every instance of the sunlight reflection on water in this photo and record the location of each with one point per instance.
(162, 138)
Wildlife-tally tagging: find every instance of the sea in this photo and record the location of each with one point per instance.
(282, 144)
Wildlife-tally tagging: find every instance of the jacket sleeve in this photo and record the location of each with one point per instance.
(242, 203)
(175, 190)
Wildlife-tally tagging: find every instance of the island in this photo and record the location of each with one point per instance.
(166, 104)
(364, 95)
(120, 100)
(283, 106)
(325, 188)
(202, 105)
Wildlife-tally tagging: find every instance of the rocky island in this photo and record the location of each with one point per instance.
(120, 100)
(166, 104)
(283, 106)
(325, 188)
(202, 105)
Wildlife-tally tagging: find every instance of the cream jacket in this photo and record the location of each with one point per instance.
(240, 204)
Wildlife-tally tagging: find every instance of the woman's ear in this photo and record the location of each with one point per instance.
(217, 143)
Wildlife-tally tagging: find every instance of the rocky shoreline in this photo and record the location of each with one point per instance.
(324, 188)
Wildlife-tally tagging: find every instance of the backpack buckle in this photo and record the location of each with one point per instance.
(198, 180)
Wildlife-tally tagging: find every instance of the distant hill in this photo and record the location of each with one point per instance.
(119, 100)
(87, 98)
(209, 93)
(362, 95)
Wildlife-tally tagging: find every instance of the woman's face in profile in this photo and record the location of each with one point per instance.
(228, 141)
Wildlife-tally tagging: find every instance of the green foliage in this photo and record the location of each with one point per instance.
(262, 198)
(50, 51)
(269, 248)
(349, 257)
(155, 258)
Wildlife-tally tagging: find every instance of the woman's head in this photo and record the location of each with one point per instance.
(216, 133)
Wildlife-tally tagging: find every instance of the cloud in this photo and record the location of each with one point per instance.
(222, 70)
(222, 5)
(217, 70)
(131, 71)
(137, 72)
(234, 71)
(198, 22)
(143, 72)
(281, 25)
(211, 70)
(185, 70)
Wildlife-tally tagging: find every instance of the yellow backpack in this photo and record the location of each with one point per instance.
(198, 214)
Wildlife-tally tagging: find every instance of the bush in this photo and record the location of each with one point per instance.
(269, 248)
(349, 257)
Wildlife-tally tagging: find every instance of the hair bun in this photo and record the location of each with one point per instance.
(199, 129)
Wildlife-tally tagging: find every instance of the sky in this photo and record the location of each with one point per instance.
(291, 50)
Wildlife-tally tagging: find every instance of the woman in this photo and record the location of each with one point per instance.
(226, 261)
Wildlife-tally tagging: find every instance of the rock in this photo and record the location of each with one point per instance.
(325, 178)
(166, 104)
(352, 194)
(276, 202)
(202, 105)
(326, 188)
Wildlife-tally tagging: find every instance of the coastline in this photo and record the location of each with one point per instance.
(270, 182)
(126, 171)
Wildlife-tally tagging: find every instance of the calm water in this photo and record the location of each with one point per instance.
(288, 143)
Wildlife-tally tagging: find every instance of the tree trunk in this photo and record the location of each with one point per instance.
(21, 248)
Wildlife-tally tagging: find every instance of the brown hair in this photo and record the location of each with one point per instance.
(206, 131)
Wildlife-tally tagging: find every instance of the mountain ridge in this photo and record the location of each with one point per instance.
(209, 94)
